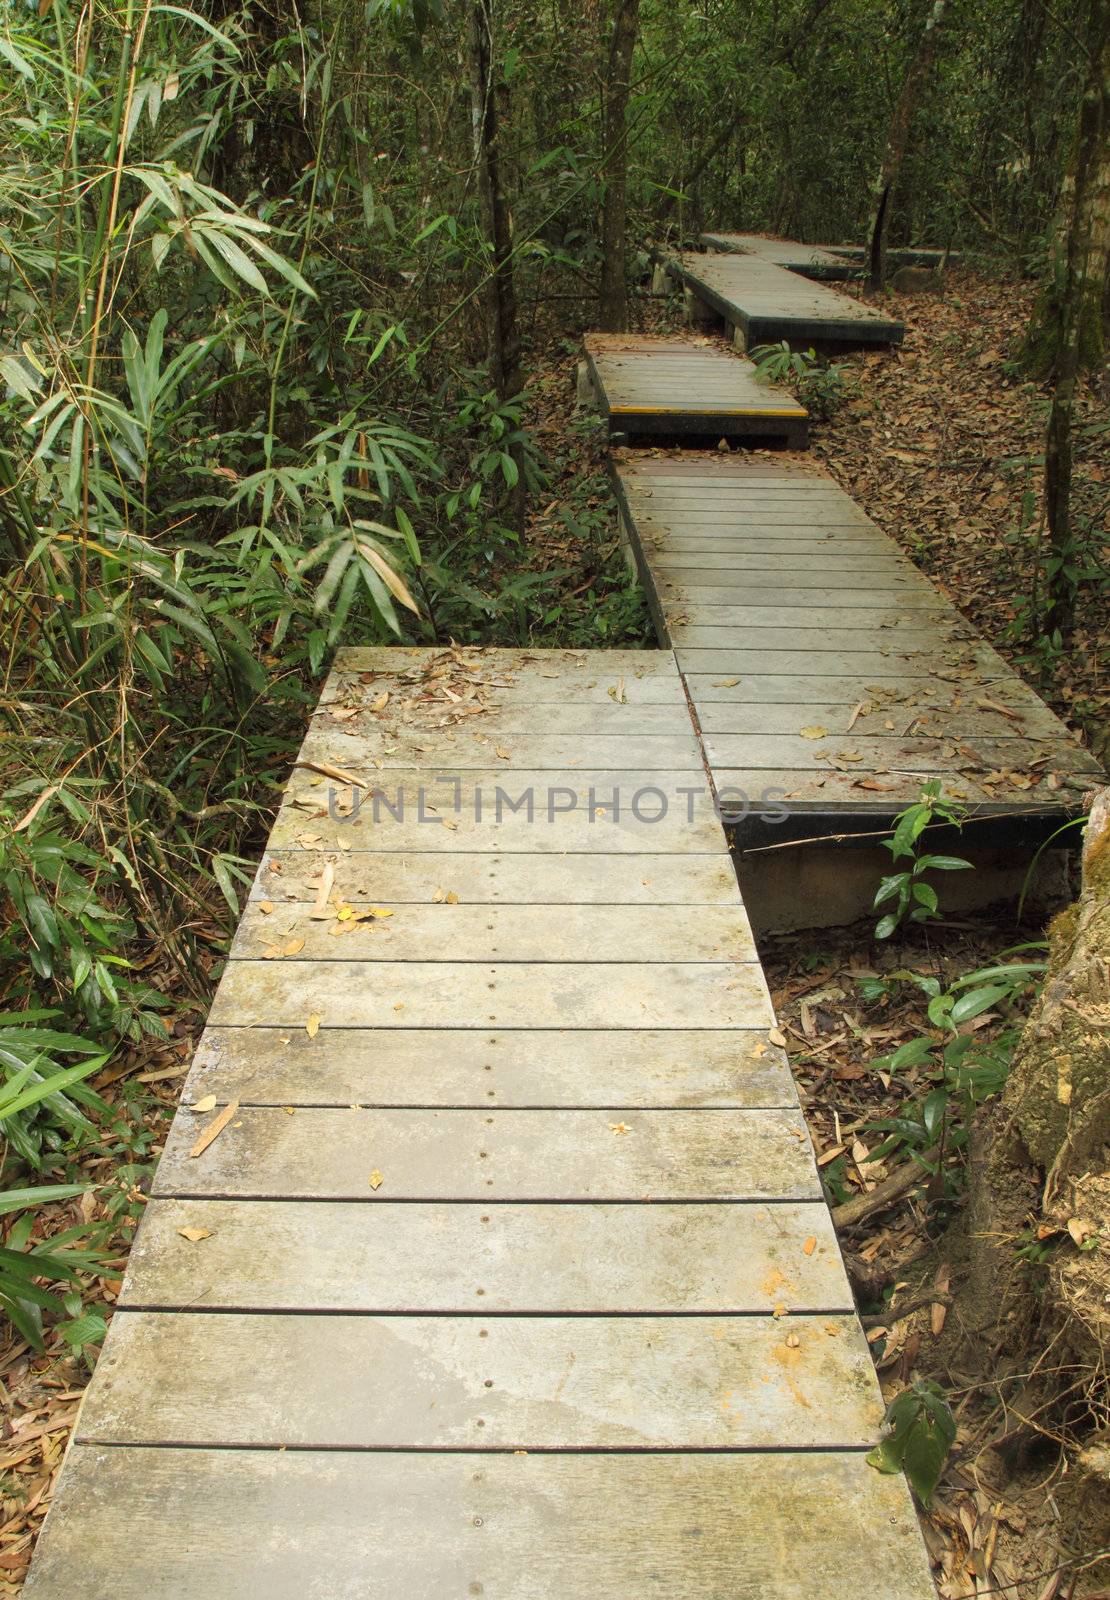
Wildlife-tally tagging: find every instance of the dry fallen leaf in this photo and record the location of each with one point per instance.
(816, 731)
(500, 752)
(726, 683)
(293, 947)
(205, 1103)
(376, 1179)
(810, 1246)
(195, 1235)
(266, 907)
(777, 1036)
(312, 1025)
(214, 1129)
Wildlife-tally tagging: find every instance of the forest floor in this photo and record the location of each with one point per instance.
(939, 443)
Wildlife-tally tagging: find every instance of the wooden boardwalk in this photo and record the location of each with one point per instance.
(649, 385)
(810, 260)
(822, 666)
(830, 262)
(762, 303)
(487, 1254)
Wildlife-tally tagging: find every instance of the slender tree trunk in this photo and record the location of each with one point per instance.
(613, 296)
(488, 108)
(1079, 273)
(898, 138)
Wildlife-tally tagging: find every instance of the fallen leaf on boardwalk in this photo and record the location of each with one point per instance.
(376, 1179)
(327, 879)
(810, 1246)
(214, 1129)
(726, 683)
(447, 823)
(620, 1127)
(381, 702)
(777, 1036)
(616, 692)
(863, 709)
(848, 755)
(195, 1235)
(377, 912)
(205, 1103)
(814, 732)
(327, 771)
(266, 907)
(293, 947)
(869, 783)
(501, 753)
(312, 1026)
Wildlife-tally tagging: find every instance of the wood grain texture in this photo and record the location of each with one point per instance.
(554, 1154)
(526, 1259)
(138, 1524)
(357, 930)
(484, 1383)
(417, 877)
(524, 994)
(640, 1067)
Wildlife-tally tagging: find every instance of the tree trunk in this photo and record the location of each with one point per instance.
(1039, 1329)
(613, 296)
(898, 137)
(1078, 274)
(1079, 245)
(499, 291)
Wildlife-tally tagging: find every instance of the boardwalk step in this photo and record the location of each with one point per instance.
(766, 303)
(648, 385)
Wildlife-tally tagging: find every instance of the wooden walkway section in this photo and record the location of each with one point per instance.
(762, 303)
(830, 262)
(649, 386)
(487, 1254)
(824, 669)
(810, 260)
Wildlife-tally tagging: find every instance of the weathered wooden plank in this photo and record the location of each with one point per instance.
(293, 1525)
(483, 1383)
(702, 601)
(755, 617)
(893, 640)
(440, 720)
(888, 686)
(429, 810)
(465, 749)
(891, 753)
(525, 994)
(641, 1067)
(290, 876)
(553, 1154)
(356, 930)
(440, 1258)
(885, 717)
(769, 568)
(807, 790)
(837, 662)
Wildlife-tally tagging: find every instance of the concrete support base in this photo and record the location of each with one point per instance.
(807, 886)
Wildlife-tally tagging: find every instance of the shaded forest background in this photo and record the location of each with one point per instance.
(289, 298)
